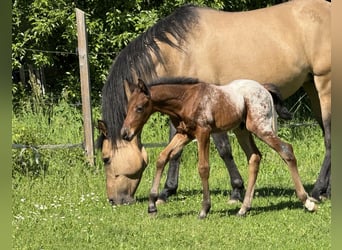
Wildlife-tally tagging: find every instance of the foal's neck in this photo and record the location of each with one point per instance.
(172, 98)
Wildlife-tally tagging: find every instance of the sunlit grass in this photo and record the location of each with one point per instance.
(63, 204)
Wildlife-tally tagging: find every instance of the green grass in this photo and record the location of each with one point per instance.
(60, 203)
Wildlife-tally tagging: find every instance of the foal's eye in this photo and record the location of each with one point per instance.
(139, 109)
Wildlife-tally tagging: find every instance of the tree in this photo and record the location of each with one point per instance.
(44, 39)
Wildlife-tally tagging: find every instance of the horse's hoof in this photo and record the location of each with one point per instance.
(323, 198)
(152, 210)
(233, 201)
(202, 215)
(160, 201)
(237, 194)
(153, 215)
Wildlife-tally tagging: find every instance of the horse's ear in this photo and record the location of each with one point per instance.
(127, 89)
(143, 88)
(102, 127)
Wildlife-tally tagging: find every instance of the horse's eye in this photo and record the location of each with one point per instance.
(139, 109)
(106, 160)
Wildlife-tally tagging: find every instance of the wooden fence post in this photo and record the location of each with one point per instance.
(85, 85)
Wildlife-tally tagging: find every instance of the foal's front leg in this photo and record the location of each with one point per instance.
(171, 183)
(177, 144)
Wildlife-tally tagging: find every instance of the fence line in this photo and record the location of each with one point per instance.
(36, 148)
(147, 145)
(67, 52)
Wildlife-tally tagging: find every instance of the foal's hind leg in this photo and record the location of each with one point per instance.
(203, 141)
(222, 144)
(177, 144)
(253, 155)
(285, 150)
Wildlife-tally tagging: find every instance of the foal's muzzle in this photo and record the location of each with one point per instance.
(126, 134)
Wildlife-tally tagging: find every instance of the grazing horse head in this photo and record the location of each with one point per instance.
(124, 166)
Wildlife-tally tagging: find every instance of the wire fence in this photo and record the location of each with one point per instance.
(36, 148)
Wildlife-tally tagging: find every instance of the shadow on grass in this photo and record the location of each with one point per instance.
(289, 205)
(259, 192)
(292, 204)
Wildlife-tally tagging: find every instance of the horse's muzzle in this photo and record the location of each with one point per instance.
(122, 201)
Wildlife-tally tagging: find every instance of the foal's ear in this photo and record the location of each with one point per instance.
(102, 127)
(143, 88)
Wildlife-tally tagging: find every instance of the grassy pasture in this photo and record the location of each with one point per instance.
(60, 202)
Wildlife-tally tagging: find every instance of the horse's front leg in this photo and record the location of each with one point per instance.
(203, 141)
(177, 144)
(171, 183)
(222, 144)
(322, 186)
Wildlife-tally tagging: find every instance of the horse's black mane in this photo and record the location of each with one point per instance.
(137, 57)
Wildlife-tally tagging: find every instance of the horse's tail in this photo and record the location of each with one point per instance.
(282, 111)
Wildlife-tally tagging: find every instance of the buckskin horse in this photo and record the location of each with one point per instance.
(196, 110)
(288, 44)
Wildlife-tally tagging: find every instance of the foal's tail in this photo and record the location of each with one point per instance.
(278, 101)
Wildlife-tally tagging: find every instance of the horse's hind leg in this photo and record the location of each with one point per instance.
(285, 150)
(222, 144)
(177, 144)
(253, 155)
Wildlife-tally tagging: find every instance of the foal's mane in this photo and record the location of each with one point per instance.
(137, 57)
(173, 81)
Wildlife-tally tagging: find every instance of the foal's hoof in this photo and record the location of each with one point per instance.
(243, 212)
(311, 205)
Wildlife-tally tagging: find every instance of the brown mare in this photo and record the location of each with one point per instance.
(197, 109)
(287, 44)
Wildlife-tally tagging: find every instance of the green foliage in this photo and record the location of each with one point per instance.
(44, 35)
